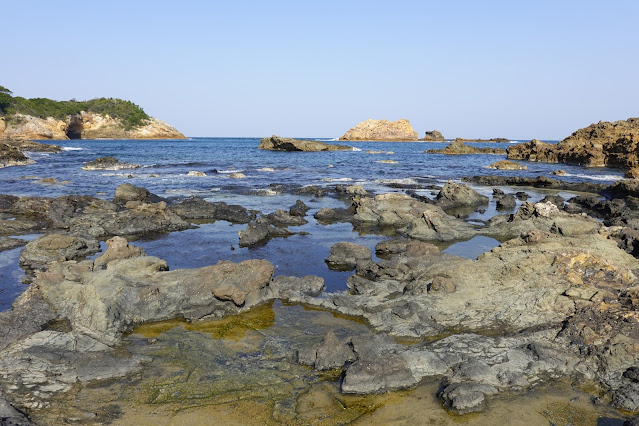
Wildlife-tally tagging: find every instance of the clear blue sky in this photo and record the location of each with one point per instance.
(534, 69)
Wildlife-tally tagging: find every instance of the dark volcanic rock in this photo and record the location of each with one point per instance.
(507, 202)
(197, 208)
(12, 156)
(328, 215)
(259, 231)
(457, 147)
(538, 182)
(344, 256)
(127, 192)
(108, 163)
(299, 209)
(276, 143)
(459, 195)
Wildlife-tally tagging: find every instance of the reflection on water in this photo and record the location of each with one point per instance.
(472, 248)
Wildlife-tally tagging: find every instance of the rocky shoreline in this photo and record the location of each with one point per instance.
(555, 300)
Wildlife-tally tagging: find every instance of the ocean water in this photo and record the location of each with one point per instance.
(164, 171)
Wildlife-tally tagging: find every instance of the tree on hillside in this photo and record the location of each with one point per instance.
(5, 99)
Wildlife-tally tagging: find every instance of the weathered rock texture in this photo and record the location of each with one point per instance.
(108, 163)
(276, 143)
(433, 136)
(458, 147)
(84, 126)
(507, 165)
(598, 145)
(12, 151)
(381, 130)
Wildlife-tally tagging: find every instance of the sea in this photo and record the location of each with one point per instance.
(165, 165)
(269, 386)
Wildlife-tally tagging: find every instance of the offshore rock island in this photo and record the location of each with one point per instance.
(102, 118)
(381, 130)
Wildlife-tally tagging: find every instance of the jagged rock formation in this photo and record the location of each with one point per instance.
(433, 136)
(12, 151)
(457, 147)
(83, 126)
(276, 143)
(598, 145)
(381, 130)
(491, 140)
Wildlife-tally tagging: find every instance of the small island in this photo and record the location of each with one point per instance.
(101, 118)
(381, 130)
(276, 143)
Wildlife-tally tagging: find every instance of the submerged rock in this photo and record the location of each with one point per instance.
(259, 231)
(276, 143)
(108, 163)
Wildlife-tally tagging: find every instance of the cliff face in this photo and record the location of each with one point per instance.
(83, 126)
(381, 130)
(598, 145)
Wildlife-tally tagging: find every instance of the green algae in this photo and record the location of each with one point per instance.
(232, 327)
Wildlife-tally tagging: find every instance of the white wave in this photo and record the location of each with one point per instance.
(267, 192)
(404, 181)
(72, 148)
(337, 179)
(266, 169)
(514, 141)
(356, 149)
(596, 177)
(230, 171)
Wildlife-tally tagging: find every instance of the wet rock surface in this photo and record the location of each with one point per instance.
(108, 163)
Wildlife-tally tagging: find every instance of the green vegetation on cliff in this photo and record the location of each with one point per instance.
(131, 114)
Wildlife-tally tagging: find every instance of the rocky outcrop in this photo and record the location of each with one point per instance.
(507, 165)
(457, 147)
(108, 163)
(84, 126)
(276, 143)
(433, 136)
(492, 140)
(12, 151)
(598, 145)
(86, 216)
(381, 130)
(12, 156)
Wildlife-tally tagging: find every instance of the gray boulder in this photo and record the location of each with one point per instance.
(344, 256)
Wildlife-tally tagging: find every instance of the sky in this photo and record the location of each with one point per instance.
(471, 69)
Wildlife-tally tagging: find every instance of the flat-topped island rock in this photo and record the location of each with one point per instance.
(381, 130)
(276, 143)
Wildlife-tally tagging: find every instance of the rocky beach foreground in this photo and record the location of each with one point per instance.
(107, 331)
